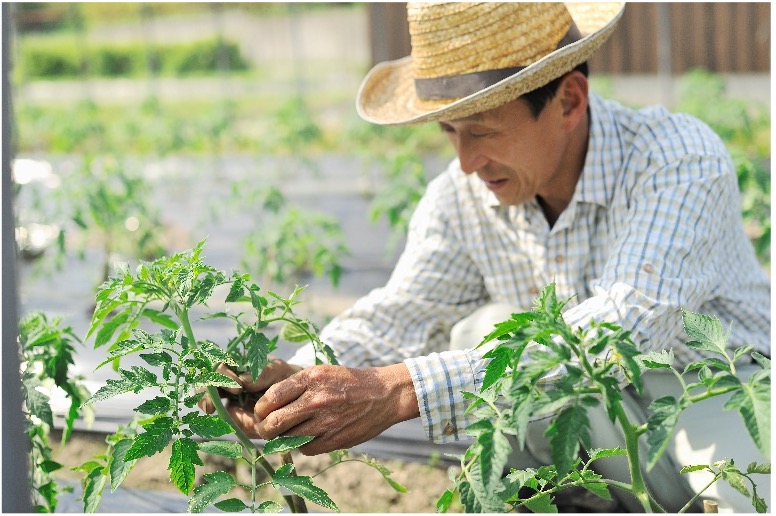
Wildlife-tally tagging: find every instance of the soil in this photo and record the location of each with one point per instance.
(353, 486)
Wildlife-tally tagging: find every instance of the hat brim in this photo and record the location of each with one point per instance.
(387, 93)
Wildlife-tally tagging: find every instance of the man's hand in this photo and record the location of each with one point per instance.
(340, 406)
(241, 401)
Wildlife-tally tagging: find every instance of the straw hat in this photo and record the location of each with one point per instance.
(471, 57)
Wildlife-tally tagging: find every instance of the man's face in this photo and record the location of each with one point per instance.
(516, 155)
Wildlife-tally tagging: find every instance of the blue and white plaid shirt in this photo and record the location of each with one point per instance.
(654, 226)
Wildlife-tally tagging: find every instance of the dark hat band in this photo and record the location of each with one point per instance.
(463, 85)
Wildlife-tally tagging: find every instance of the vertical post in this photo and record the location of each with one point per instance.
(16, 485)
(664, 60)
(389, 33)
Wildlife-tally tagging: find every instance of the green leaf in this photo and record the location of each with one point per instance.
(592, 484)
(150, 442)
(764, 362)
(140, 376)
(93, 485)
(110, 389)
(660, 425)
(269, 507)
(216, 484)
(600, 453)
(476, 501)
(160, 359)
(570, 428)
(759, 468)
(215, 379)
(258, 349)
(486, 500)
(118, 464)
(706, 331)
(302, 486)
(691, 469)
(157, 405)
(110, 327)
(38, 404)
(292, 332)
(159, 318)
(736, 480)
(184, 457)
(207, 426)
(657, 360)
(496, 367)
(495, 450)
(753, 402)
(49, 466)
(231, 505)
(543, 504)
(228, 449)
(283, 444)
(236, 291)
(741, 351)
(444, 501)
(759, 504)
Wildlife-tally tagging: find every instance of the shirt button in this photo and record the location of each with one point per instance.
(449, 428)
(559, 258)
(533, 291)
(648, 268)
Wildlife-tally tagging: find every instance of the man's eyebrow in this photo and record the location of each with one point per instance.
(476, 117)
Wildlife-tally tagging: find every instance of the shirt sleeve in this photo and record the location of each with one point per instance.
(434, 285)
(680, 215)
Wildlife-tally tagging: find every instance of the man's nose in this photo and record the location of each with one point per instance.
(470, 158)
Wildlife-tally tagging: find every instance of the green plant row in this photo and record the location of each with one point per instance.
(57, 59)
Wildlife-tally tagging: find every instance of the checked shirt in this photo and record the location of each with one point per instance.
(653, 227)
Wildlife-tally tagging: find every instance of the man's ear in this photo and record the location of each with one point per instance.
(573, 95)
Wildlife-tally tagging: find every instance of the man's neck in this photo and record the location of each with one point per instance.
(554, 203)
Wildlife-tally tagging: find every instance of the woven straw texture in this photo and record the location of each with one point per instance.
(457, 38)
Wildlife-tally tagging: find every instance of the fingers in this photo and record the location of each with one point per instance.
(226, 371)
(245, 420)
(281, 408)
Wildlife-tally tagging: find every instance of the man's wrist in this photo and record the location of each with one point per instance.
(401, 391)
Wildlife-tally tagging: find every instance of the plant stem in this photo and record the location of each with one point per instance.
(698, 494)
(638, 487)
(215, 397)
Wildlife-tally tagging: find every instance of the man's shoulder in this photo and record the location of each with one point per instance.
(656, 128)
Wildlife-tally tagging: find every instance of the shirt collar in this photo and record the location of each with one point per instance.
(604, 156)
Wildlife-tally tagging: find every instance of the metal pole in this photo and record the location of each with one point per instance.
(16, 485)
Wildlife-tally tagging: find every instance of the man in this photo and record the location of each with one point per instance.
(635, 213)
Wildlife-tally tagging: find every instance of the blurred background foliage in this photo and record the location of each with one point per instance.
(55, 42)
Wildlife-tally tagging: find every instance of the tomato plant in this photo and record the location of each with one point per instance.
(180, 370)
(596, 361)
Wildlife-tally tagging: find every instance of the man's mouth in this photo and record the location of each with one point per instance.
(495, 184)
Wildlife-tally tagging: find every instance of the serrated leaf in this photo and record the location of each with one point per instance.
(444, 501)
(386, 473)
(496, 367)
(192, 400)
(661, 423)
(148, 443)
(110, 389)
(214, 379)
(291, 332)
(764, 361)
(495, 450)
(691, 469)
(216, 484)
(118, 465)
(487, 501)
(38, 404)
(110, 327)
(543, 504)
(93, 485)
(706, 331)
(159, 318)
(753, 402)
(741, 351)
(570, 428)
(49, 466)
(657, 360)
(157, 405)
(759, 468)
(140, 376)
(182, 460)
(228, 449)
(759, 504)
(283, 444)
(600, 453)
(160, 359)
(258, 349)
(269, 507)
(592, 484)
(231, 505)
(303, 486)
(207, 426)
(736, 480)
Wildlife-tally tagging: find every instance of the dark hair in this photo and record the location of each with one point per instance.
(539, 97)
